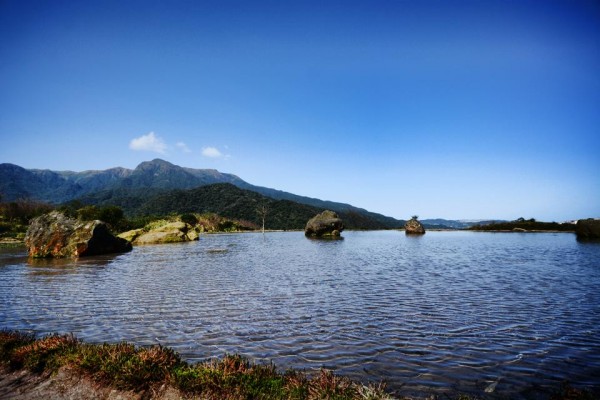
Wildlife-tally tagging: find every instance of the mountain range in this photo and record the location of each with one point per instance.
(158, 186)
(61, 186)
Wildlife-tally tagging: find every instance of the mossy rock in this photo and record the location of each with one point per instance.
(131, 235)
(326, 224)
(164, 232)
(414, 227)
(57, 235)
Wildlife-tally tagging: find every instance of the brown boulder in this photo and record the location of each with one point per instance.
(414, 227)
(588, 229)
(56, 235)
(326, 224)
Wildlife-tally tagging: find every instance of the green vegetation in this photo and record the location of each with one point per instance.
(189, 219)
(127, 367)
(231, 202)
(15, 216)
(522, 224)
(219, 207)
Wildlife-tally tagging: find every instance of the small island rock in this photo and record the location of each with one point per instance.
(326, 224)
(414, 227)
(588, 229)
(56, 235)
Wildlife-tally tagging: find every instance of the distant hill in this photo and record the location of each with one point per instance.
(158, 179)
(18, 183)
(522, 224)
(440, 223)
(61, 186)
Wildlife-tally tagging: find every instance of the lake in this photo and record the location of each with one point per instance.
(513, 313)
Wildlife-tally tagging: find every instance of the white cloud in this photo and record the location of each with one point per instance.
(211, 152)
(183, 147)
(149, 142)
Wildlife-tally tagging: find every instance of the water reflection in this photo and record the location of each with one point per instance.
(49, 267)
(325, 238)
(12, 255)
(586, 241)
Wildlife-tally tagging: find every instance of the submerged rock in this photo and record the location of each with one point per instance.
(414, 227)
(171, 232)
(56, 235)
(326, 224)
(588, 229)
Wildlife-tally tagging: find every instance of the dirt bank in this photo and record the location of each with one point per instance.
(68, 384)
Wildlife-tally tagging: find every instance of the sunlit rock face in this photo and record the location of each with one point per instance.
(326, 224)
(172, 232)
(56, 235)
(414, 227)
(588, 229)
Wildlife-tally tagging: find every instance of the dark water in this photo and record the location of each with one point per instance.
(449, 311)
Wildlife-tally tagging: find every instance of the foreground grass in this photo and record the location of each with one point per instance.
(143, 369)
(127, 367)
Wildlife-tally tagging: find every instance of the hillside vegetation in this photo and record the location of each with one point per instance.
(522, 224)
(231, 202)
(219, 207)
(15, 216)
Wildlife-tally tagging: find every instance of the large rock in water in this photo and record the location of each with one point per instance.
(588, 229)
(326, 224)
(414, 227)
(56, 235)
(170, 232)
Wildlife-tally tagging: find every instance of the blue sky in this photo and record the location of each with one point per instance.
(479, 109)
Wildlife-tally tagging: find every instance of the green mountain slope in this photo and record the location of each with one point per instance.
(229, 201)
(131, 189)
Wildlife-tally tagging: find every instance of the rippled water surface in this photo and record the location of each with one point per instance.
(466, 311)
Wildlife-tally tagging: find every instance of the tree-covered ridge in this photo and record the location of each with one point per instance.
(221, 207)
(232, 202)
(522, 224)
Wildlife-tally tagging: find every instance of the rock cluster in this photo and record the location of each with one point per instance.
(326, 224)
(414, 227)
(588, 229)
(171, 232)
(56, 235)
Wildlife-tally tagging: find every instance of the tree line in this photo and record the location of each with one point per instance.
(524, 224)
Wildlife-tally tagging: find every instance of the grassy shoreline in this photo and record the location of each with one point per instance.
(61, 365)
(144, 371)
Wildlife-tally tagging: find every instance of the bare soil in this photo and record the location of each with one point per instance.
(67, 384)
